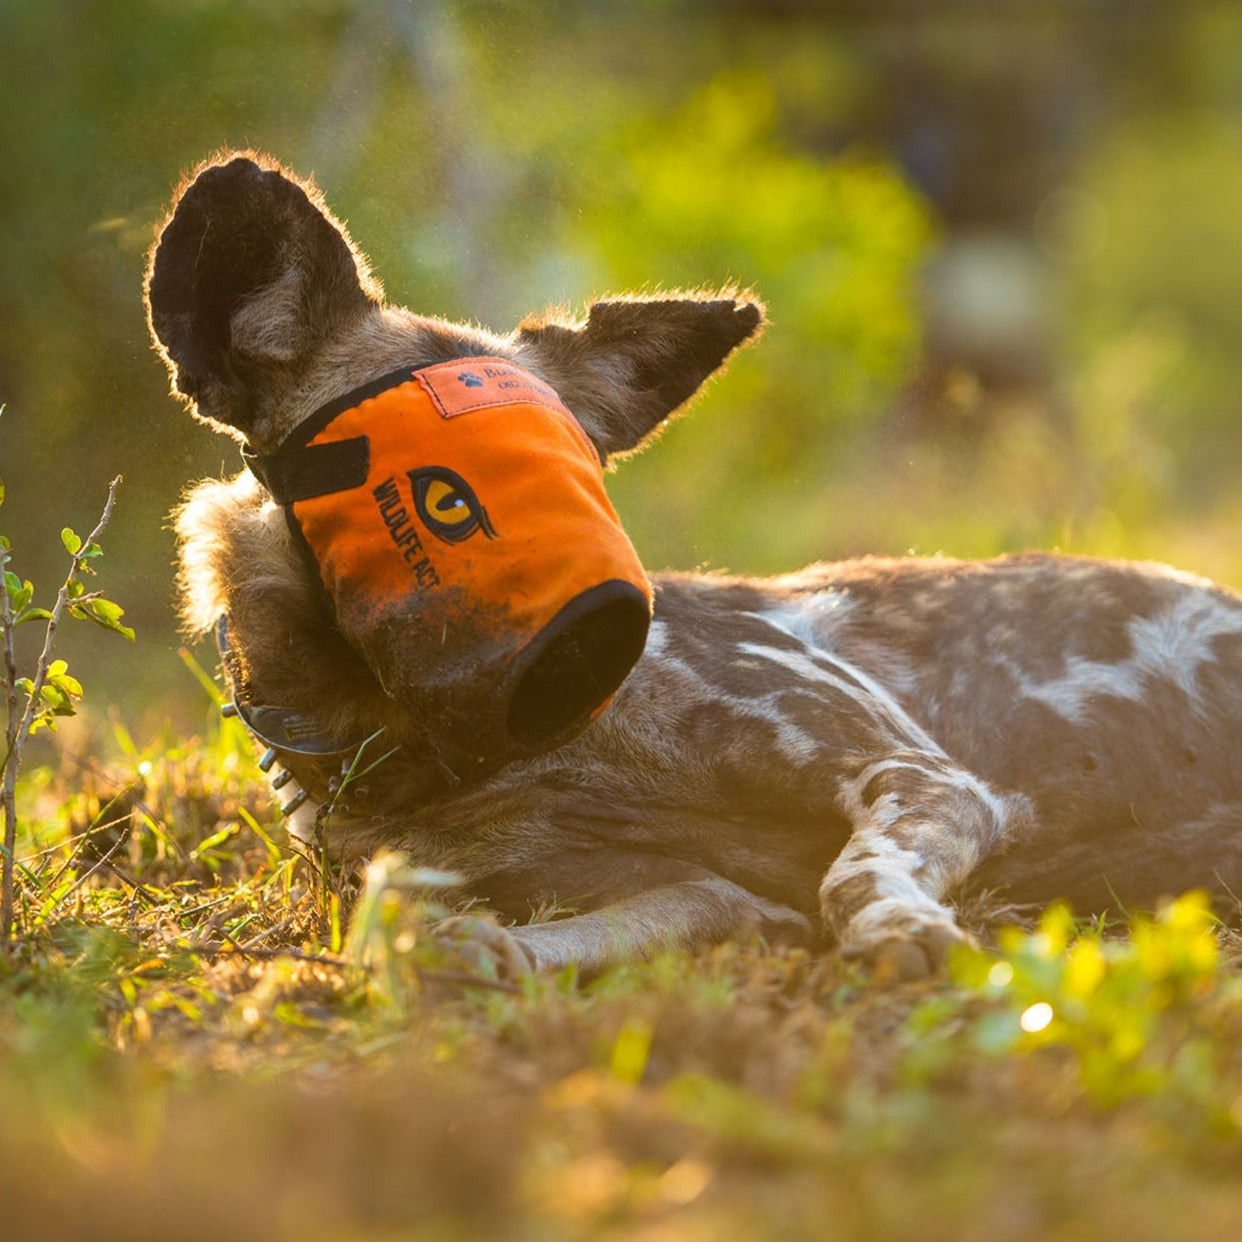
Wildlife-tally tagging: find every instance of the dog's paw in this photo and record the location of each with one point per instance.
(901, 948)
(482, 945)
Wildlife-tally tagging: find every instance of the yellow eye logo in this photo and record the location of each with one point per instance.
(447, 505)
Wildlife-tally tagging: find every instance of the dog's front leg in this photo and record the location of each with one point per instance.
(684, 914)
(921, 824)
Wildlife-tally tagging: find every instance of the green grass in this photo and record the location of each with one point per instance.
(193, 1042)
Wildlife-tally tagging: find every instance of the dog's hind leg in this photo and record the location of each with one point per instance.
(921, 826)
(919, 821)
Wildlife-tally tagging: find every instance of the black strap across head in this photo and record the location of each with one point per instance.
(299, 470)
(312, 470)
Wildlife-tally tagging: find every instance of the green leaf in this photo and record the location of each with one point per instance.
(59, 691)
(54, 697)
(67, 685)
(104, 613)
(1, 491)
(33, 614)
(71, 541)
(20, 592)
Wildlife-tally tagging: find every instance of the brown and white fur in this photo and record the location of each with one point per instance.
(839, 749)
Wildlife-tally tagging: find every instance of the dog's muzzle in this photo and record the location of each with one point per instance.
(457, 519)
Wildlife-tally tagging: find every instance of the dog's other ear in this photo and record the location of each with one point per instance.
(250, 275)
(635, 360)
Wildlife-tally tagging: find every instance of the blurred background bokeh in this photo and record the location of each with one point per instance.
(1000, 244)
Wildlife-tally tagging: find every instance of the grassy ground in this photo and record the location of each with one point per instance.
(190, 1043)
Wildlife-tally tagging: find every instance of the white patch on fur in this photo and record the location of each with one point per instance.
(851, 791)
(903, 903)
(812, 618)
(951, 844)
(898, 916)
(797, 743)
(851, 681)
(1171, 646)
(882, 855)
(905, 887)
(798, 746)
(1001, 808)
(961, 779)
(206, 525)
(884, 812)
(657, 640)
(827, 620)
(1176, 643)
(1083, 681)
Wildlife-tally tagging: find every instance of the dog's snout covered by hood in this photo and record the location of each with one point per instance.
(457, 520)
(478, 699)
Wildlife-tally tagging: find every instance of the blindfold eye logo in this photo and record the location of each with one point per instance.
(447, 505)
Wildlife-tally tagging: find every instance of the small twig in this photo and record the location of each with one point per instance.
(205, 905)
(53, 623)
(317, 872)
(137, 889)
(8, 623)
(18, 726)
(8, 793)
(80, 841)
(271, 931)
(104, 862)
(237, 947)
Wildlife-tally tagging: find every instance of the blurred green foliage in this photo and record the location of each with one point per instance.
(1132, 1011)
(998, 247)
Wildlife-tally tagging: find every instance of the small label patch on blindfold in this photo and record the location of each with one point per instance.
(457, 518)
(478, 383)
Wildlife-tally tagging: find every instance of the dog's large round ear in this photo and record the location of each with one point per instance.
(249, 276)
(636, 360)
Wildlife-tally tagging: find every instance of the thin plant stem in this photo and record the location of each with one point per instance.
(17, 728)
(8, 791)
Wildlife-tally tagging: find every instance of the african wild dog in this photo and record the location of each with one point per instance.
(853, 742)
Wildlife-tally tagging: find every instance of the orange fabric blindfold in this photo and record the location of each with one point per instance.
(457, 517)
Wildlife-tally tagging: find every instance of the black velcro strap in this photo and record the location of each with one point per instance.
(312, 470)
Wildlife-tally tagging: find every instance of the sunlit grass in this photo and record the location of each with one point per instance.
(192, 1028)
